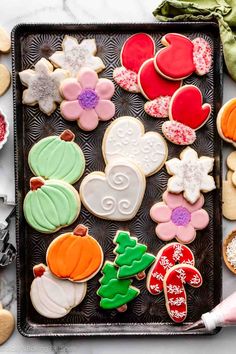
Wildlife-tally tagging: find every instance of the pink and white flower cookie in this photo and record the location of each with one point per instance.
(166, 258)
(87, 99)
(177, 218)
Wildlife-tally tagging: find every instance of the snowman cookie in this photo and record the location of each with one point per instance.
(52, 297)
(190, 175)
(42, 86)
(126, 138)
(181, 57)
(74, 56)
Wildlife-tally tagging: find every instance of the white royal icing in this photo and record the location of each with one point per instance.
(116, 194)
(125, 138)
(190, 174)
(53, 297)
(74, 56)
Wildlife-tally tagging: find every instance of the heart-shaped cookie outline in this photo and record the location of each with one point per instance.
(131, 121)
(203, 106)
(123, 186)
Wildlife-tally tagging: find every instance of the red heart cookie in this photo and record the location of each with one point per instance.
(152, 84)
(186, 107)
(136, 50)
(182, 57)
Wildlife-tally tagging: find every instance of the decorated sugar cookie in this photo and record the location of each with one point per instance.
(74, 56)
(4, 129)
(226, 121)
(156, 89)
(135, 51)
(177, 218)
(175, 281)
(87, 99)
(115, 293)
(75, 256)
(126, 138)
(42, 86)
(132, 257)
(57, 157)
(166, 258)
(52, 297)
(181, 57)
(190, 175)
(187, 113)
(116, 194)
(50, 205)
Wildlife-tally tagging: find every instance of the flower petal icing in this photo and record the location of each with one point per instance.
(160, 212)
(166, 231)
(88, 120)
(173, 200)
(199, 219)
(87, 78)
(105, 109)
(71, 89)
(71, 110)
(105, 89)
(185, 234)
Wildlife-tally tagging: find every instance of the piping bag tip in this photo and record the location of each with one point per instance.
(196, 325)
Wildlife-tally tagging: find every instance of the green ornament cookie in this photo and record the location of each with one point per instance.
(115, 293)
(131, 257)
(57, 157)
(51, 205)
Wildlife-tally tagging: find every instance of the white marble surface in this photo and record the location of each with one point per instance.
(13, 12)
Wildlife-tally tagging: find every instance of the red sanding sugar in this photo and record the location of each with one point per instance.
(2, 128)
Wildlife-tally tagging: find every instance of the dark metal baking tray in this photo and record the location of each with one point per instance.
(147, 314)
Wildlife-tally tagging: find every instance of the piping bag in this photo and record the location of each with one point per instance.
(222, 315)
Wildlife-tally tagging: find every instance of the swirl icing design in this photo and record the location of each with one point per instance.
(50, 205)
(116, 194)
(57, 157)
(126, 138)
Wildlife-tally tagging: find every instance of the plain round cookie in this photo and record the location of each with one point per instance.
(7, 324)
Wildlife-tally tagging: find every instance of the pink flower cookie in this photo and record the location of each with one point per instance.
(179, 219)
(166, 258)
(87, 99)
(174, 289)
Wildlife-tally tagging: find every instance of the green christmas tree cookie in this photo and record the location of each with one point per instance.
(131, 257)
(115, 293)
(57, 157)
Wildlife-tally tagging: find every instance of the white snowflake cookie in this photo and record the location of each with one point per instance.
(190, 175)
(42, 86)
(74, 56)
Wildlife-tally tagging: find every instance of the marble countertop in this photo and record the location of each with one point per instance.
(86, 11)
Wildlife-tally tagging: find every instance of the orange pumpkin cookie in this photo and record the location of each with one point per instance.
(75, 255)
(226, 121)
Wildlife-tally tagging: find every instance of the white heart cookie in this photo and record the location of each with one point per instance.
(116, 194)
(126, 138)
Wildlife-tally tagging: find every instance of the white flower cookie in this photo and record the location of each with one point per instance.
(42, 86)
(126, 138)
(74, 56)
(190, 175)
(116, 194)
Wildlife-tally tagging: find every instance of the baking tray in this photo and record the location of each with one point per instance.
(147, 314)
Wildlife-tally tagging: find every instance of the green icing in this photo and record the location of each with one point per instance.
(53, 158)
(51, 207)
(114, 292)
(132, 257)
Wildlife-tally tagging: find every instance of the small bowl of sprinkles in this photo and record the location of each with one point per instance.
(229, 251)
(4, 129)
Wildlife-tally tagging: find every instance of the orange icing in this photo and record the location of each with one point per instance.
(228, 121)
(74, 257)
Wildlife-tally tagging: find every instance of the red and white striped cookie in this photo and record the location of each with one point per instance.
(166, 258)
(174, 289)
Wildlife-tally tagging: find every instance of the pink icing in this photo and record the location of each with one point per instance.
(167, 257)
(177, 218)
(3, 128)
(178, 133)
(159, 107)
(126, 79)
(202, 56)
(87, 99)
